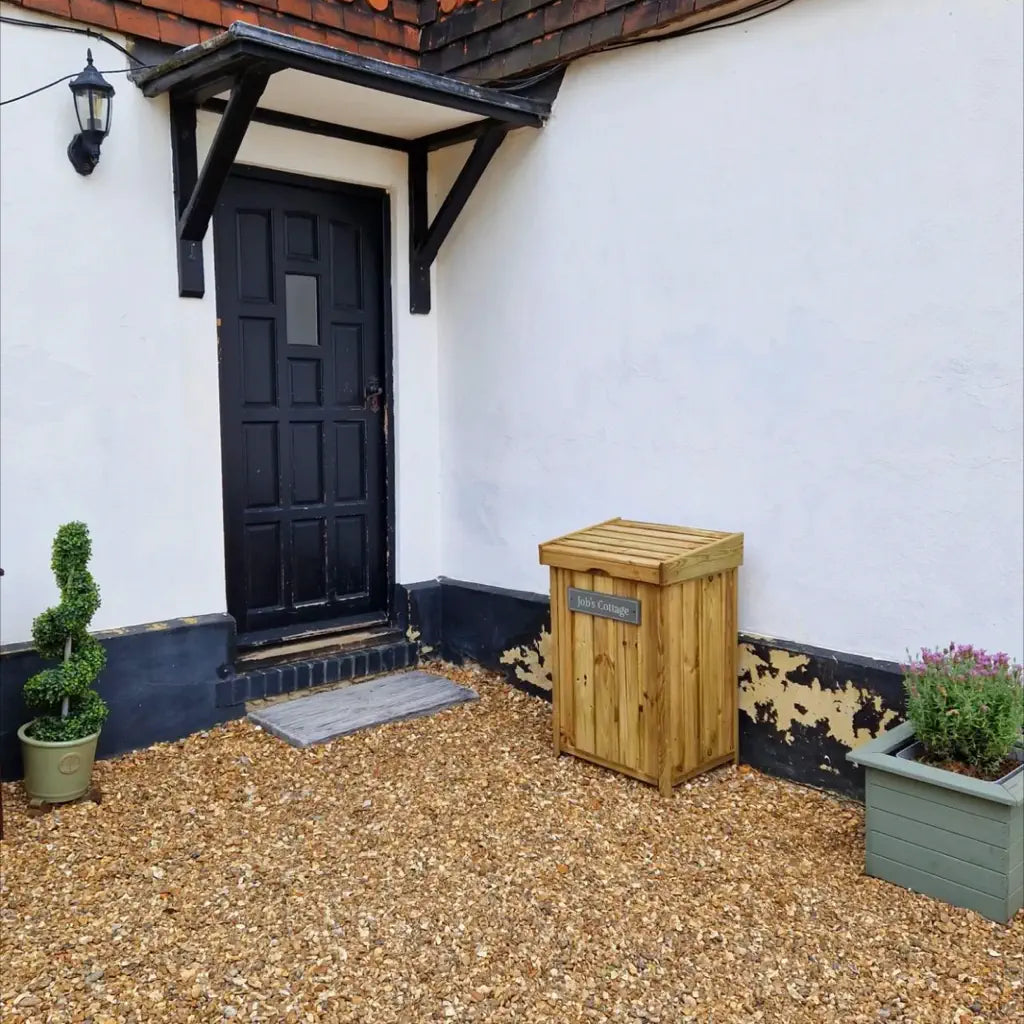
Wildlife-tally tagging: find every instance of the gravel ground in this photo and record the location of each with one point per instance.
(451, 869)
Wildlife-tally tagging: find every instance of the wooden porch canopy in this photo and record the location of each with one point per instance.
(250, 74)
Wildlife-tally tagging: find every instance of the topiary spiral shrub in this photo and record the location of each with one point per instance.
(967, 705)
(66, 706)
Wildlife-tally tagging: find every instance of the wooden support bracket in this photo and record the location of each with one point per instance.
(195, 191)
(425, 241)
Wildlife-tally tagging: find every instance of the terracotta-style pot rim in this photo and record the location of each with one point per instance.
(56, 744)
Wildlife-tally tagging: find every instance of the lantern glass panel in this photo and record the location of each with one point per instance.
(92, 107)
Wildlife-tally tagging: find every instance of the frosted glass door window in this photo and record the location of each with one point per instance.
(301, 312)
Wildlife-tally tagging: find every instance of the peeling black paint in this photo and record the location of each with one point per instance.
(798, 755)
(810, 753)
(479, 623)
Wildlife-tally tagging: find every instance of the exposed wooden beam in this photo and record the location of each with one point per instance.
(425, 241)
(455, 136)
(312, 126)
(419, 272)
(185, 172)
(244, 96)
(483, 150)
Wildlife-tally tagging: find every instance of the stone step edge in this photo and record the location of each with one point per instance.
(312, 672)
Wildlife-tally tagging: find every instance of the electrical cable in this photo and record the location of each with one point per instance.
(57, 81)
(76, 30)
(728, 21)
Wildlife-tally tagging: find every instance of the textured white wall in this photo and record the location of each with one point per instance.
(764, 279)
(108, 381)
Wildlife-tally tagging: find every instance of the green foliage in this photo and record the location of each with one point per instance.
(87, 713)
(966, 705)
(73, 678)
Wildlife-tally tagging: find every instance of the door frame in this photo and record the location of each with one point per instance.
(299, 180)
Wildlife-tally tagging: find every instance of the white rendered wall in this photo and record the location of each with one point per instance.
(763, 279)
(108, 380)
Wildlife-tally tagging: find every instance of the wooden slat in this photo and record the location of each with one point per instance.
(731, 640)
(966, 848)
(712, 558)
(664, 707)
(941, 864)
(712, 668)
(583, 669)
(586, 755)
(691, 531)
(672, 641)
(704, 766)
(678, 541)
(556, 642)
(647, 675)
(561, 680)
(601, 548)
(627, 637)
(565, 622)
(939, 888)
(606, 689)
(555, 540)
(611, 536)
(944, 797)
(582, 563)
(985, 830)
(689, 617)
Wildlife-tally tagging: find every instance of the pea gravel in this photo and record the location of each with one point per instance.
(450, 869)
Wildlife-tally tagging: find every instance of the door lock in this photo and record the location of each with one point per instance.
(374, 393)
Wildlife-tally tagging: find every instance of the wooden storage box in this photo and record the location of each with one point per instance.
(643, 622)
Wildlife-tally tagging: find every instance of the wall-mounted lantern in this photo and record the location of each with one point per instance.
(93, 104)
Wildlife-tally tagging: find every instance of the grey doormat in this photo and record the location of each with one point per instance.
(324, 716)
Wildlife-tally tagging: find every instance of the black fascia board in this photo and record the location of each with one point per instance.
(313, 126)
(205, 69)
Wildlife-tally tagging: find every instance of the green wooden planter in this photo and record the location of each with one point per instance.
(948, 836)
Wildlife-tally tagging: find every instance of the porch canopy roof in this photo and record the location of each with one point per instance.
(399, 105)
(249, 73)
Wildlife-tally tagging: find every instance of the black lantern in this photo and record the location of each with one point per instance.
(92, 93)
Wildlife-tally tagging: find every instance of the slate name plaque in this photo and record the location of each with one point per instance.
(605, 606)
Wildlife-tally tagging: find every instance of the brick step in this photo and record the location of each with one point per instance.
(307, 672)
(311, 648)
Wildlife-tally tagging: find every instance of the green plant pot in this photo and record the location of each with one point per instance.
(57, 772)
(948, 836)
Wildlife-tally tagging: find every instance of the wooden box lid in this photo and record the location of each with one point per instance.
(645, 552)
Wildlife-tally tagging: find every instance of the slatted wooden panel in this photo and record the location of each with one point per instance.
(954, 847)
(608, 711)
(657, 701)
(645, 552)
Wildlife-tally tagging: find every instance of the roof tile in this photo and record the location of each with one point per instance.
(174, 6)
(62, 8)
(177, 31)
(94, 12)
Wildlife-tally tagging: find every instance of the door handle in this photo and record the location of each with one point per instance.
(373, 395)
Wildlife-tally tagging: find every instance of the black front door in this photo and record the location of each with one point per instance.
(300, 299)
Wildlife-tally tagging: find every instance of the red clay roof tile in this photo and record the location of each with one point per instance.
(482, 40)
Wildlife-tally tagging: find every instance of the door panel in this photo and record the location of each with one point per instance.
(300, 297)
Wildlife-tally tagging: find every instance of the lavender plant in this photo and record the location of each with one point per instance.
(966, 705)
